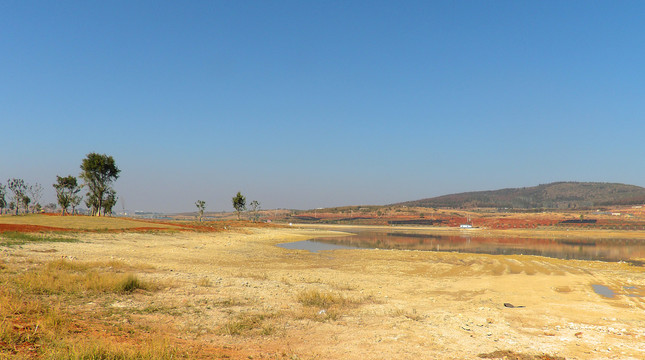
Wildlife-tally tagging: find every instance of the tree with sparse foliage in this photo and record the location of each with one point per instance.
(35, 192)
(67, 190)
(50, 208)
(201, 206)
(74, 201)
(239, 203)
(99, 171)
(254, 208)
(18, 189)
(3, 201)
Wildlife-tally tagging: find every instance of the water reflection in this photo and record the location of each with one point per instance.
(605, 250)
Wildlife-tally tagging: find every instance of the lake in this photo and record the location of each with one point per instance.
(582, 249)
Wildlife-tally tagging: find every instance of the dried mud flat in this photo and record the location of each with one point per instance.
(237, 292)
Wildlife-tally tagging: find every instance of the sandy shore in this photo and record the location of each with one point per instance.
(395, 304)
(547, 233)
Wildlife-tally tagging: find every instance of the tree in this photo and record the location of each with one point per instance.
(239, 203)
(92, 203)
(66, 191)
(25, 202)
(18, 189)
(51, 207)
(255, 208)
(109, 202)
(74, 201)
(201, 205)
(99, 171)
(36, 192)
(3, 201)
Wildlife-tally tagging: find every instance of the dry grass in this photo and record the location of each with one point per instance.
(249, 324)
(90, 350)
(325, 305)
(70, 277)
(36, 324)
(323, 299)
(81, 222)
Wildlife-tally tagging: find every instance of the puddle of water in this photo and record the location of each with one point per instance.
(603, 250)
(603, 290)
(313, 246)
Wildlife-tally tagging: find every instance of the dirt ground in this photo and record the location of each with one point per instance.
(237, 291)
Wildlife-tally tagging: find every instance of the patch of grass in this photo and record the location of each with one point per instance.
(35, 325)
(72, 277)
(17, 238)
(130, 283)
(322, 299)
(106, 266)
(99, 350)
(315, 314)
(325, 305)
(248, 324)
(84, 222)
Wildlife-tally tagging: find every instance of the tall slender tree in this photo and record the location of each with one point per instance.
(3, 201)
(201, 206)
(35, 193)
(254, 210)
(99, 171)
(239, 203)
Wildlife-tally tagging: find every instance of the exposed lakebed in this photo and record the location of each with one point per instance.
(580, 249)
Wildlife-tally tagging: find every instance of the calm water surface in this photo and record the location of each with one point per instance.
(582, 249)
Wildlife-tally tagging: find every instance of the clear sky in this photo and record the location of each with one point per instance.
(305, 104)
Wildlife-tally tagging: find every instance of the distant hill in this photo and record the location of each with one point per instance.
(558, 195)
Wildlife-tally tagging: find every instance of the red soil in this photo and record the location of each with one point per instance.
(29, 228)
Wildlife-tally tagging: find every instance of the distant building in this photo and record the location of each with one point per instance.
(465, 226)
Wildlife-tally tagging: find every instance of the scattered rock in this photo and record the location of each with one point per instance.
(509, 305)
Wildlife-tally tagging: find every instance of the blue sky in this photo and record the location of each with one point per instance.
(305, 104)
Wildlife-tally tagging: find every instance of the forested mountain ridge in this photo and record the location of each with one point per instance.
(558, 195)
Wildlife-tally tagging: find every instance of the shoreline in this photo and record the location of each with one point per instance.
(484, 232)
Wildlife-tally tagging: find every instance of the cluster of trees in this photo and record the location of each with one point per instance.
(98, 173)
(20, 197)
(239, 204)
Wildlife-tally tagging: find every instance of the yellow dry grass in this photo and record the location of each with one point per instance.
(81, 222)
(35, 324)
(239, 293)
